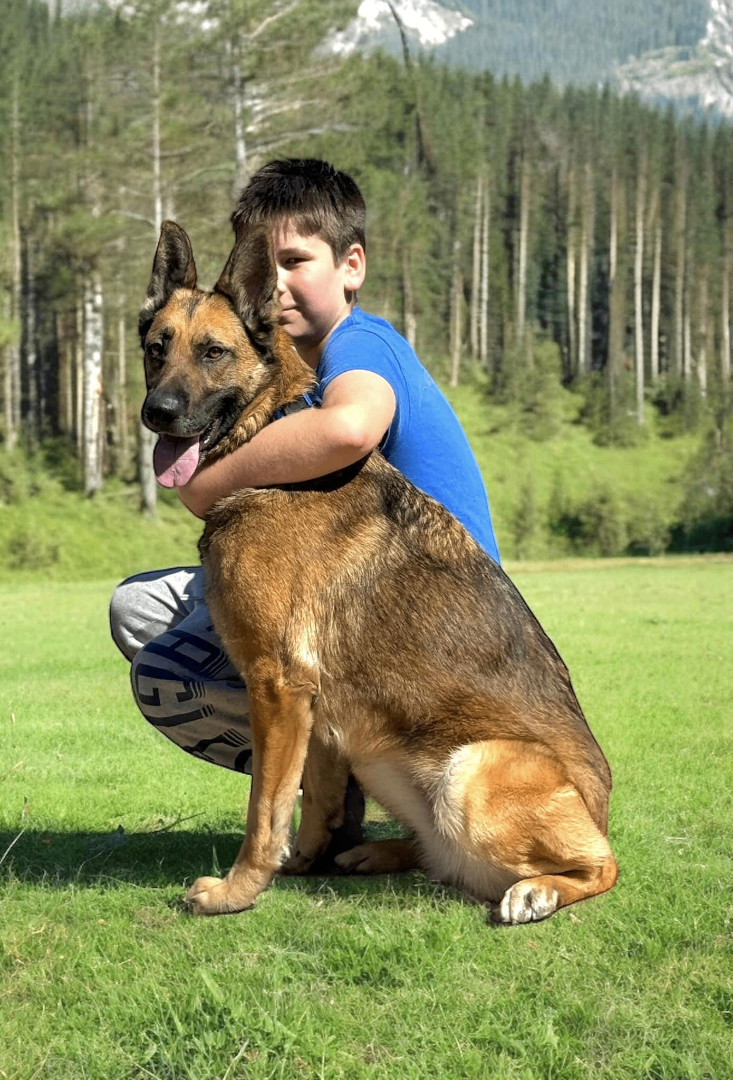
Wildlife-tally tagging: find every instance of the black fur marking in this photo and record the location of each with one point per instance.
(193, 302)
(331, 482)
(397, 504)
(173, 268)
(249, 281)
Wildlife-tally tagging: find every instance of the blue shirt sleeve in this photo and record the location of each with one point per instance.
(425, 440)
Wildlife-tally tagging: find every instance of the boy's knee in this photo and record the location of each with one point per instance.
(122, 609)
(147, 605)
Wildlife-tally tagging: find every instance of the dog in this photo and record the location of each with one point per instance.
(374, 634)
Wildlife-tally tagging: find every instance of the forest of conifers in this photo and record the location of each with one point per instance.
(527, 238)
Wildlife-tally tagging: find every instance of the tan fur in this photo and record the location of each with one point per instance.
(376, 637)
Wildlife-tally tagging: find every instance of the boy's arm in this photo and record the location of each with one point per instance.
(357, 409)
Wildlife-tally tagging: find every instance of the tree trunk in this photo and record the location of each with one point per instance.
(32, 378)
(11, 379)
(475, 316)
(408, 302)
(725, 364)
(656, 299)
(93, 396)
(148, 484)
(157, 186)
(240, 144)
(485, 247)
(616, 306)
(456, 312)
(704, 341)
(524, 208)
(639, 291)
(586, 243)
(11, 400)
(123, 427)
(120, 426)
(79, 380)
(686, 340)
(680, 344)
(65, 411)
(572, 362)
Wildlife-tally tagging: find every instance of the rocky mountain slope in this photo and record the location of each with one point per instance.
(656, 49)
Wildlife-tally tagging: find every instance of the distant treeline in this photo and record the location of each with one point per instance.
(573, 43)
(546, 239)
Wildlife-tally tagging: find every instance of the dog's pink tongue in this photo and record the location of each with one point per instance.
(175, 460)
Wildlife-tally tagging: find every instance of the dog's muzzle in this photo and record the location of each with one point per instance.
(164, 409)
(186, 435)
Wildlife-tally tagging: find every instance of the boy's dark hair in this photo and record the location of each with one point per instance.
(315, 198)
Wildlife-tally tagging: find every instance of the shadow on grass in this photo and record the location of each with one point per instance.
(164, 859)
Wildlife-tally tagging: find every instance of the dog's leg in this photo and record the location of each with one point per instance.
(325, 780)
(522, 818)
(281, 718)
(380, 857)
(571, 860)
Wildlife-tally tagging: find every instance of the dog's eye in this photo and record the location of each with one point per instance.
(155, 349)
(214, 352)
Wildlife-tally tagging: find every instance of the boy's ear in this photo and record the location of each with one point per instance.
(249, 282)
(173, 268)
(355, 260)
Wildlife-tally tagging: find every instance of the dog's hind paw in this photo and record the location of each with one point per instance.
(297, 863)
(379, 857)
(526, 902)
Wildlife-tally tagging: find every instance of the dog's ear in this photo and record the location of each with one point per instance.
(173, 268)
(249, 282)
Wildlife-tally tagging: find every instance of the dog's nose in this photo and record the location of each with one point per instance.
(162, 408)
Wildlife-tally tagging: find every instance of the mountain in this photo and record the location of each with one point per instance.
(653, 48)
(427, 24)
(686, 77)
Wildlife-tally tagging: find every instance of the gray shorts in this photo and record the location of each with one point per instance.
(182, 679)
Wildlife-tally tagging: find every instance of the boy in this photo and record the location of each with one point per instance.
(375, 394)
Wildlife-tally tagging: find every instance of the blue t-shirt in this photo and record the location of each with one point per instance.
(425, 440)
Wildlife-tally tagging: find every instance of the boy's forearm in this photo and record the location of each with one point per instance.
(302, 446)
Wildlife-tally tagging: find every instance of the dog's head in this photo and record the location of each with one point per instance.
(207, 355)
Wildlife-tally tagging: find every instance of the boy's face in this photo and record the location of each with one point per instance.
(314, 291)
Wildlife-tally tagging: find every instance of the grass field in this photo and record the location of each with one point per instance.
(103, 822)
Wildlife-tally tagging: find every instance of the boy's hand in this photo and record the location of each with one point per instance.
(357, 409)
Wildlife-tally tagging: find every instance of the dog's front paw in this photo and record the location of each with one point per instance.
(526, 902)
(214, 896)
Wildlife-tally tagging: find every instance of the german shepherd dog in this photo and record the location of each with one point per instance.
(374, 634)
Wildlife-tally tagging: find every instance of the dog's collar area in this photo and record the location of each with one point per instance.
(307, 401)
(329, 482)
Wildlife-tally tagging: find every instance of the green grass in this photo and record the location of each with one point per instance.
(62, 536)
(104, 977)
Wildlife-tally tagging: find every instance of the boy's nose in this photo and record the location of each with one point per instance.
(280, 280)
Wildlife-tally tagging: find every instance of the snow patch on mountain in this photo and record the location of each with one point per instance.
(425, 21)
(676, 74)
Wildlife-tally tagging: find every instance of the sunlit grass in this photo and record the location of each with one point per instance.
(104, 976)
